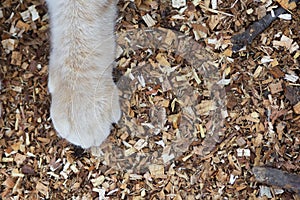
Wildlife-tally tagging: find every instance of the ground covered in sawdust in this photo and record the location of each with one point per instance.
(197, 117)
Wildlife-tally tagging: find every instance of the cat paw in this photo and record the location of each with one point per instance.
(83, 112)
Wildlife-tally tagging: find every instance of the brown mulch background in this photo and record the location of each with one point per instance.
(260, 124)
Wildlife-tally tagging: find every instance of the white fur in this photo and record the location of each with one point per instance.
(84, 97)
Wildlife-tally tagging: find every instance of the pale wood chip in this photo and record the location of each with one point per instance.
(98, 181)
(178, 3)
(42, 188)
(297, 108)
(157, 171)
(149, 20)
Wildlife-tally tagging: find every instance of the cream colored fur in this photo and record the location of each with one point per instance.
(84, 97)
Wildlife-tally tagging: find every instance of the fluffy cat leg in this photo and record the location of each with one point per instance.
(84, 98)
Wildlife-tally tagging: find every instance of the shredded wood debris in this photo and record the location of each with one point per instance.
(199, 118)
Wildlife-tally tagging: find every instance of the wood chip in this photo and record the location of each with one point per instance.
(40, 187)
(149, 20)
(178, 3)
(276, 88)
(297, 108)
(196, 115)
(157, 171)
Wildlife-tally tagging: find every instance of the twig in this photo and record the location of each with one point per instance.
(277, 178)
(242, 39)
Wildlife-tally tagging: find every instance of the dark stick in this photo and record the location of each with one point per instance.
(242, 39)
(277, 178)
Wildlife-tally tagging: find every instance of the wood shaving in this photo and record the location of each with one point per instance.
(197, 116)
